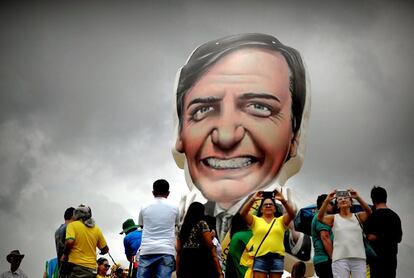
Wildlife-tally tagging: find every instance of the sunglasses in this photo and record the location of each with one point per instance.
(107, 266)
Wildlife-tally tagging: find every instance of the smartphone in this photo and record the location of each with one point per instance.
(268, 194)
(342, 193)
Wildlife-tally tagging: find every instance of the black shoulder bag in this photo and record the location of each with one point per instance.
(369, 251)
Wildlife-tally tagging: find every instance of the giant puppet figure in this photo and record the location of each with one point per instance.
(242, 109)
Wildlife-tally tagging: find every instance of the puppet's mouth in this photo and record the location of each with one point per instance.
(232, 163)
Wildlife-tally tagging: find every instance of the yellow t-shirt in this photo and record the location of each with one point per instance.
(274, 240)
(86, 240)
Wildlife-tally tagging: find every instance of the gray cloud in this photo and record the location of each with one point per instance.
(86, 105)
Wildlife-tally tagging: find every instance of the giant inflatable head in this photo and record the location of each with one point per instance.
(241, 108)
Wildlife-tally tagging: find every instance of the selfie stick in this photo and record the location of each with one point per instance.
(112, 258)
(130, 268)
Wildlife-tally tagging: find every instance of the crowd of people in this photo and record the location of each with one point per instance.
(160, 246)
(346, 241)
(242, 111)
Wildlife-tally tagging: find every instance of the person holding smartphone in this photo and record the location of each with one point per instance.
(348, 256)
(268, 230)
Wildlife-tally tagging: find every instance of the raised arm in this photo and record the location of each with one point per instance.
(363, 215)
(290, 212)
(326, 219)
(244, 212)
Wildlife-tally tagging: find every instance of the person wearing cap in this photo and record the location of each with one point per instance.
(83, 236)
(132, 241)
(14, 258)
(158, 219)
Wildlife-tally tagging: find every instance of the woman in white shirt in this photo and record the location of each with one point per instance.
(348, 255)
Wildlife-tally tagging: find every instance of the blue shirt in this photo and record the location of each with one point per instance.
(51, 268)
(132, 242)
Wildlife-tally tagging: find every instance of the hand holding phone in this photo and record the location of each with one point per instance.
(342, 193)
(268, 194)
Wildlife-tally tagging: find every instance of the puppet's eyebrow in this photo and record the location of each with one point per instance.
(248, 96)
(204, 100)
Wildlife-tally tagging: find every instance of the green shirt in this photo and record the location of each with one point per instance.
(320, 255)
(237, 244)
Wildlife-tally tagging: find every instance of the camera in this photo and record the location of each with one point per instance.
(268, 194)
(342, 193)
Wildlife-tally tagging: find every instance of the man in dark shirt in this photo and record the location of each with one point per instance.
(384, 231)
(60, 236)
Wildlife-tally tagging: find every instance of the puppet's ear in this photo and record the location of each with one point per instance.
(179, 145)
(294, 145)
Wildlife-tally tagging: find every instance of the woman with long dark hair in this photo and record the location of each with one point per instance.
(240, 235)
(196, 254)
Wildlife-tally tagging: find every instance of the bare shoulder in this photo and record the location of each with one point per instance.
(329, 219)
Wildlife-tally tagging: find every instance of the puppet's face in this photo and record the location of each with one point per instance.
(237, 130)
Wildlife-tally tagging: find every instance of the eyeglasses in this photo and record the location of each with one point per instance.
(107, 265)
(268, 205)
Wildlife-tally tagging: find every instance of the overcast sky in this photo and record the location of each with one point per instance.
(86, 105)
